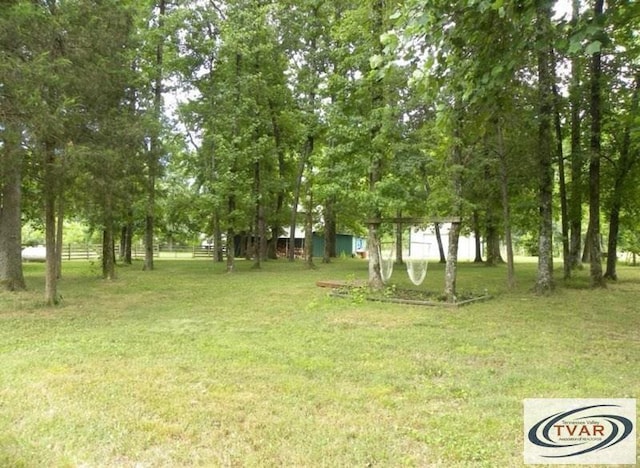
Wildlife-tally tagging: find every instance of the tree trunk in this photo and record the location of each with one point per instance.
(272, 250)
(450, 277)
(155, 147)
(59, 231)
(575, 203)
(108, 242)
(373, 252)
(126, 238)
(262, 233)
(247, 244)
(306, 152)
(148, 233)
(450, 273)
(316, 68)
(11, 274)
(375, 260)
(108, 263)
(455, 162)
(260, 238)
(494, 257)
(375, 168)
(308, 230)
(624, 165)
(329, 231)
(123, 236)
(218, 251)
(272, 243)
(544, 280)
(506, 209)
(477, 238)
(231, 250)
(614, 229)
(562, 186)
(60, 213)
(595, 270)
(399, 243)
(231, 247)
(586, 251)
(231, 200)
(443, 257)
(50, 190)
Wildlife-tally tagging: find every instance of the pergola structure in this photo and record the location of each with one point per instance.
(452, 254)
(414, 221)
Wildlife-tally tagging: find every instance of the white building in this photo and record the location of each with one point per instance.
(423, 243)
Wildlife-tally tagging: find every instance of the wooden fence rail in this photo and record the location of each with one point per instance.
(94, 252)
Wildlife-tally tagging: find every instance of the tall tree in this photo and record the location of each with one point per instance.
(506, 204)
(108, 136)
(11, 157)
(13, 51)
(562, 184)
(377, 28)
(576, 187)
(305, 28)
(456, 165)
(247, 122)
(362, 119)
(154, 151)
(473, 55)
(544, 280)
(620, 125)
(595, 111)
(50, 132)
(628, 158)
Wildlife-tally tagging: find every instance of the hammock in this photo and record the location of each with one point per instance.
(386, 263)
(417, 270)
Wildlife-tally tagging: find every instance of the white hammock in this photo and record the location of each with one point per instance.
(417, 270)
(386, 264)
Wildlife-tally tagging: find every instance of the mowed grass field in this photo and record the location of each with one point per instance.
(189, 366)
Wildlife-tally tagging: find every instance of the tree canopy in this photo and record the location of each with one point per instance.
(171, 121)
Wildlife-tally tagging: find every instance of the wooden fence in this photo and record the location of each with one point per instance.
(81, 252)
(94, 252)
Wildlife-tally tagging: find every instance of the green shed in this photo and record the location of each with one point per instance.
(346, 244)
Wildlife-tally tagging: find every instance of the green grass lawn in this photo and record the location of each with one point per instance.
(189, 366)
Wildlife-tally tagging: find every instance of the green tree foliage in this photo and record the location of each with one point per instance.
(106, 151)
(351, 111)
(12, 155)
(491, 56)
(475, 69)
(245, 117)
(74, 119)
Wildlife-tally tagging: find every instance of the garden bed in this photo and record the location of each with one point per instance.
(361, 292)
